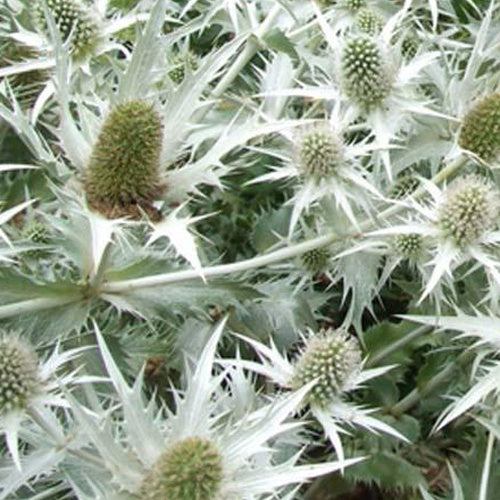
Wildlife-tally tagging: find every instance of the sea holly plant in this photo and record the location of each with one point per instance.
(235, 237)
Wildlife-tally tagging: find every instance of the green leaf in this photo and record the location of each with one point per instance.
(277, 40)
(386, 470)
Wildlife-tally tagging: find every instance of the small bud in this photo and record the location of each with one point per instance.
(409, 47)
(72, 19)
(332, 357)
(403, 186)
(18, 374)
(408, 246)
(180, 63)
(123, 172)
(365, 76)
(190, 470)
(354, 5)
(470, 210)
(369, 22)
(319, 152)
(480, 131)
(316, 260)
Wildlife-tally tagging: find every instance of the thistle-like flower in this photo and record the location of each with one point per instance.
(28, 383)
(315, 260)
(408, 246)
(458, 224)
(332, 361)
(72, 20)
(123, 172)
(403, 186)
(369, 22)
(19, 377)
(196, 450)
(326, 167)
(480, 132)
(319, 152)
(365, 74)
(469, 210)
(353, 5)
(182, 63)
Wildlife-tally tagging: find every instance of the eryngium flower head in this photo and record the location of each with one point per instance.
(180, 63)
(409, 47)
(365, 75)
(26, 85)
(403, 186)
(319, 151)
(369, 22)
(123, 172)
(18, 374)
(408, 245)
(315, 260)
(72, 19)
(190, 470)
(354, 5)
(332, 357)
(469, 210)
(480, 131)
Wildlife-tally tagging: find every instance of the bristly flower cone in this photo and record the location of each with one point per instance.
(123, 173)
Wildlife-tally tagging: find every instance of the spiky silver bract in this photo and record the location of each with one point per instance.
(480, 132)
(366, 77)
(369, 22)
(469, 210)
(123, 173)
(332, 357)
(19, 380)
(72, 19)
(319, 152)
(190, 470)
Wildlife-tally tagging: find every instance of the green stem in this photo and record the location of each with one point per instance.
(270, 258)
(414, 397)
(395, 346)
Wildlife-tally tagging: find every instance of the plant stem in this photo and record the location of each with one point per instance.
(270, 258)
(32, 305)
(384, 353)
(413, 398)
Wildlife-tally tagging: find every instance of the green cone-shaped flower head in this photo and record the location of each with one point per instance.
(480, 131)
(332, 357)
(123, 173)
(369, 22)
(18, 374)
(319, 152)
(365, 75)
(315, 260)
(469, 210)
(409, 47)
(181, 63)
(190, 470)
(405, 185)
(72, 19)
(408, 246)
